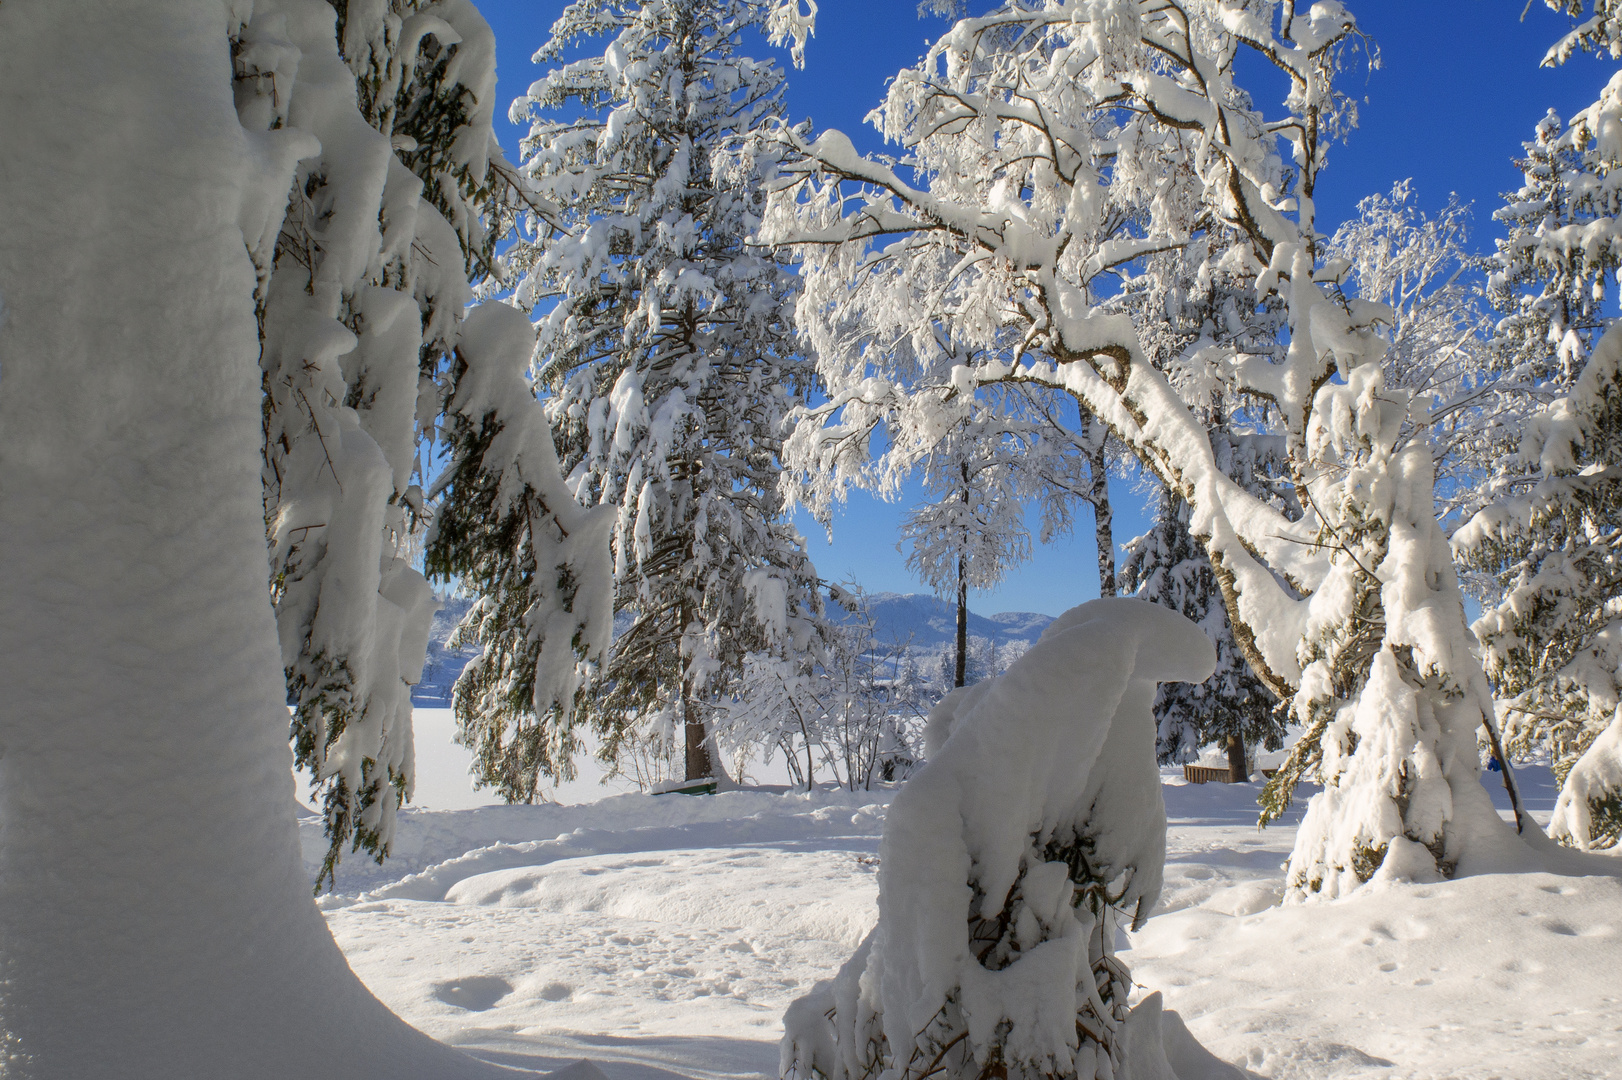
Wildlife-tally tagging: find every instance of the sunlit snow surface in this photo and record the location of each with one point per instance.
(666, 935)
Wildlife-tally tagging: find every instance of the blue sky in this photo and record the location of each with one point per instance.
(1458, 90)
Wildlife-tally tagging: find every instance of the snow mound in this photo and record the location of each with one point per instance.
(1291, 994)
(434, 850)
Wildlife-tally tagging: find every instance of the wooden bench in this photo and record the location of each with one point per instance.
(1207, 774)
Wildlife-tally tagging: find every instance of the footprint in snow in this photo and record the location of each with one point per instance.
(556, 991)
(475, 993)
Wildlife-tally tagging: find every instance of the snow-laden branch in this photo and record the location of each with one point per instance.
(1336, 577)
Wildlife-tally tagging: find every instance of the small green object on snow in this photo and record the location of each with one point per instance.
(703, 786)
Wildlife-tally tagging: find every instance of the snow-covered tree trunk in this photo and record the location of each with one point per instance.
(155, 917)
(1103, 513)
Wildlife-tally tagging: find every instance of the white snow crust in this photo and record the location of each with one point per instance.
(667, 935)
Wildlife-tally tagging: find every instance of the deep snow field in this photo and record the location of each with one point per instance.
(666, 935)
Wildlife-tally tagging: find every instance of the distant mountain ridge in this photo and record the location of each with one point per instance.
(927, 623)
(932, 622)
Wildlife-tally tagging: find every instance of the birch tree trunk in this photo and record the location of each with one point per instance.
(1103, 514)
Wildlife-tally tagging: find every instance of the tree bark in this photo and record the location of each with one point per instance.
(962, 622)
(156, 919)
(1238, 772)
(1103, 514)
(963, 593)
(698, 764)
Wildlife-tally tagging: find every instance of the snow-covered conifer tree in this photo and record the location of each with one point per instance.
(155, 916)
(1051, 141)
(665, 344)
(1007, 865)
(1550, 542)
(361, 287)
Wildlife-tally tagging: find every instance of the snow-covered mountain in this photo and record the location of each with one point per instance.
(444, 664)
(926, 622)
(932, 622)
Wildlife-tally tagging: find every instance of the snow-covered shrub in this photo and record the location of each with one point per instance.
(853, 706)
(1007, 863)
(1588, 813)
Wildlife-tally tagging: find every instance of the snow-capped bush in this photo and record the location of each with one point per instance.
(1006, 865)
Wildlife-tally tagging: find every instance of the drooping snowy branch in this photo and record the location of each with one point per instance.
(538, 563)
(397, 201)
(360, 294)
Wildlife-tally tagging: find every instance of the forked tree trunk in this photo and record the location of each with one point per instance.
(155, 916)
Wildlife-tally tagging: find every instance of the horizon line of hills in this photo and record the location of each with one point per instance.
(924, 621)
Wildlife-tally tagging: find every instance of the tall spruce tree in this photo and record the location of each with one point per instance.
(1550, 542)
(665, 346)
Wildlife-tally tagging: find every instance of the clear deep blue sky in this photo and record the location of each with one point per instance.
(1458, 90)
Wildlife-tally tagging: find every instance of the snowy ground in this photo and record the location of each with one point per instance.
(666, 935)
